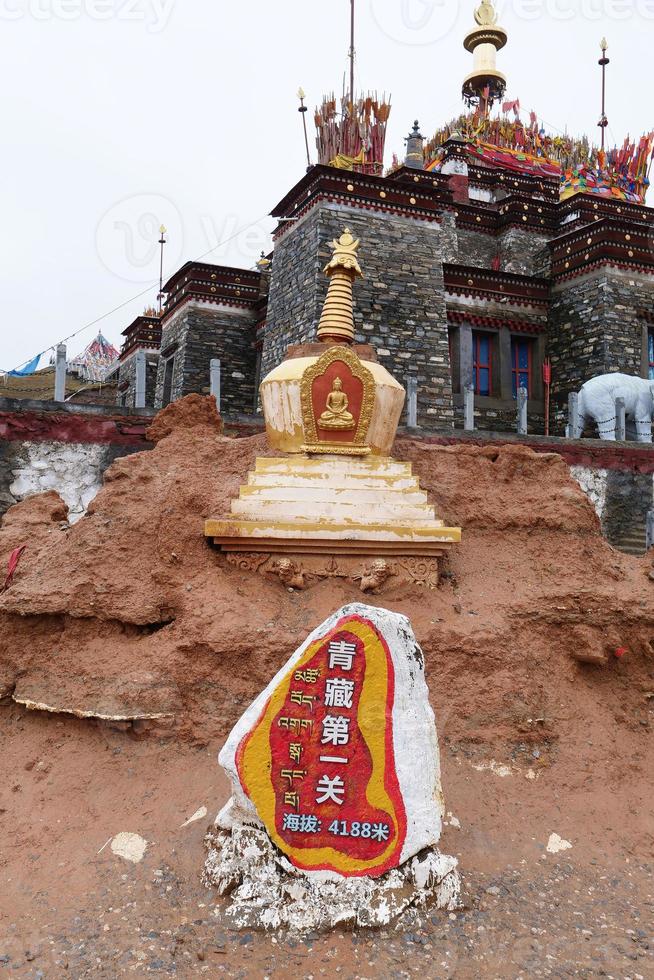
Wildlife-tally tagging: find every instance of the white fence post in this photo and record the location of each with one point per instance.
(650, 529)
(60, 374)
(522, 411)
(412, 402)
(620, 420)
(469, 408)
(572, 430)
(214, 376)
(139, 395)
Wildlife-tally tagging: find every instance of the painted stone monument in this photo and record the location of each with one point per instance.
(335, 504)
(337, 805)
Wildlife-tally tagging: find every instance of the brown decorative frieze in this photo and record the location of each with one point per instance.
(144, 333)
(520, 290)
(608, 242)
(330, 185)
(207, 283)
(582, 209)
(530, 214)
(488, 322)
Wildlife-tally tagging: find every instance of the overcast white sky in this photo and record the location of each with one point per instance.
(122, 114)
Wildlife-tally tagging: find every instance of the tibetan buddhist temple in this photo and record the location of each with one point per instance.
(527, 249)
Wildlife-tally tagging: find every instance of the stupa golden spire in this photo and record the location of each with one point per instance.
(337, 320)
(485, 84)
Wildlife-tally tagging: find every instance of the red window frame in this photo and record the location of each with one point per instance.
(516, 370)
(478, 365)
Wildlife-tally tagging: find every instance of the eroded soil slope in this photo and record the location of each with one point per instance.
(131, 614)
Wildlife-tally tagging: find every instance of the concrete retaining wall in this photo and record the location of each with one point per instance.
(63, 447)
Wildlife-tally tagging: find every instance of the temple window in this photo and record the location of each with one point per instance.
(168, 382)
(482, 362)
(521, 365)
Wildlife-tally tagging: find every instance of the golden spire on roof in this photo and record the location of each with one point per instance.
(484, 85)
(485, 14)
(337, 320)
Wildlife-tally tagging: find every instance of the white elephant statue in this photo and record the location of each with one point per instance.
(597, 401)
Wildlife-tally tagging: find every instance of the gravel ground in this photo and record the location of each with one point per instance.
(549, 920)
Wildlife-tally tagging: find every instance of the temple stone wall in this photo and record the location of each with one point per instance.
(595, 327)
(399, 305)
(7, 458)
(126, 394)
(522, 252)
(193, 337)
(500, 417)
(593, 483)
(622, 499)
(474, 248)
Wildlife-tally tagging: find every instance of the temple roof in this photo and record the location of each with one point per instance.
(507, 143)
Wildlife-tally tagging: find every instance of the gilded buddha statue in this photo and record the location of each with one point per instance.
(336, 415)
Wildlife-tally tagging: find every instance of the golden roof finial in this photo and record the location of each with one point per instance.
(485, 14)
(485, 85)
(337, 320)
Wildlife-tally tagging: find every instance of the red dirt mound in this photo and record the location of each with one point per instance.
(134, 587)
(131, 614)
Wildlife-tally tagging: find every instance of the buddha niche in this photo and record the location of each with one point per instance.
(336, 415)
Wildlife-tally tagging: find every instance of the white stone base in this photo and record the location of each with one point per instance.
(365, 502)
(268, 893)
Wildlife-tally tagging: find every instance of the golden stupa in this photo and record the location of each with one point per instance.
(333, 411)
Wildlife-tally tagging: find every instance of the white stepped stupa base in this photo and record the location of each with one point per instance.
(333, 504)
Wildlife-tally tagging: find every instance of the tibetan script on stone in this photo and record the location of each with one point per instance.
(338, 757)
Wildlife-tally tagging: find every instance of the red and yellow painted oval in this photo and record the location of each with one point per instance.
(361, 827)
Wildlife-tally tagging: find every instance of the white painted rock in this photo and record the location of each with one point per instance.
(131, 847)
(337, 759)
(267, 892)
(556, 844)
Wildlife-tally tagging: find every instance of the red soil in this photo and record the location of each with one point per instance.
(131, 612)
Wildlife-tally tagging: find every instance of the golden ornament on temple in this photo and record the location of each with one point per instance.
(485, 85)
(485, 14)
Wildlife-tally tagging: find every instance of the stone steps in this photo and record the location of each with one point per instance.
(250, 531)
(345, 481)
(367, 466)
(313, 491)
(328, 504)
(311, 511)
(631, 542)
